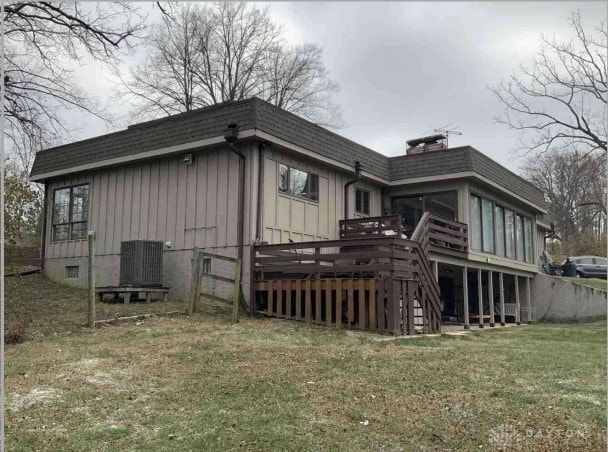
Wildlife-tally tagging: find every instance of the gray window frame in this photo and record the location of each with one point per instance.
(472, 241)
(288, 191)
(363, 192)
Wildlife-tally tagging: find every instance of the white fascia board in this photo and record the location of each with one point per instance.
(462, 175)
(176, 149)
(199, 144)
(273, 139)
(507, 267)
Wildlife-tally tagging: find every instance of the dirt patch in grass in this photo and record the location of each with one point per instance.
(46, 307)
(204, 384)
(37, 396)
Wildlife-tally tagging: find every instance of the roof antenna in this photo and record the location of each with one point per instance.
(447, 132)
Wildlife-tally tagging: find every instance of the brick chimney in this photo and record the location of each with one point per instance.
(427, 144)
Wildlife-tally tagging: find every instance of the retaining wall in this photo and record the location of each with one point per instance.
(557, 299)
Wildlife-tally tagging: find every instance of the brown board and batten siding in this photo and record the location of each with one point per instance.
(162, 199)
(287, 217)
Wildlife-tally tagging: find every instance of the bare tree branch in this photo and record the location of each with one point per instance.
(40, 38)
(203, 55)
(574, 185)
(560, 101)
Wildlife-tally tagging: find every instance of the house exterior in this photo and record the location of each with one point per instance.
(274, 178)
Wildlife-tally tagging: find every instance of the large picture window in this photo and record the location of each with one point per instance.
(519, 237)
(499, 221)
(70, 213)
(411, 208)
(510, 234)
(295, 182)
(496, 230)
(528, 240)
(476, 222)
(487, 225)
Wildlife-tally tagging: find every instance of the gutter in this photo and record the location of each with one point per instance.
(348, 184)
(175, 149)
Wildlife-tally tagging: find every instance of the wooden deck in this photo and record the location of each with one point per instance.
(367, 280)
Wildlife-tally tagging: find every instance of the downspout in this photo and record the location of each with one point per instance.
(231, 135)
(259, 219)
(45, 205)
(258, 224)
(348, 184)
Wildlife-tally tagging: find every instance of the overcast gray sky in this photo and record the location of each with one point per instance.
(407, 68)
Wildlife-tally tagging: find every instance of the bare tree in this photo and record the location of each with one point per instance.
(237, 44)
(204, 55)
(164, 82)
(42, 40)
(560, 100)
(574, 187)
(296, 79)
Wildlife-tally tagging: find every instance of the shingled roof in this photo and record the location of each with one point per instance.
(210, 122)
(461, 160)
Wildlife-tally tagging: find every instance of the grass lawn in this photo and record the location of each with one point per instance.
(50, 308)
(177, 383)
(591, 282)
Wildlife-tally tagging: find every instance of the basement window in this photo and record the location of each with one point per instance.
(72, 271)
(361, 201)
(207, 265)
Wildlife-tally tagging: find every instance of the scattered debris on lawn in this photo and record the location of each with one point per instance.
(37, 396)
(138, 319)
(49, 308)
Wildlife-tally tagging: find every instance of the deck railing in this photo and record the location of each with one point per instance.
(371, 226)
(375, 282)
(441, 235)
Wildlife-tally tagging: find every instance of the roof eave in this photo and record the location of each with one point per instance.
(469, 175)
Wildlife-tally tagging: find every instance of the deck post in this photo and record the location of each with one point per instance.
(436, 270)
(501, 287)
(480, 297)
(491, 293)
(465, 298)
(91, 280)
(195, 283)
(517, 304)
(528, 301)
(252, 283)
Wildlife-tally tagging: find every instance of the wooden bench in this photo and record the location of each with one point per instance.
(127, 292)
(486, 317)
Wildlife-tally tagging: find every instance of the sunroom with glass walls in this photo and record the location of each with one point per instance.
(498, 229)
